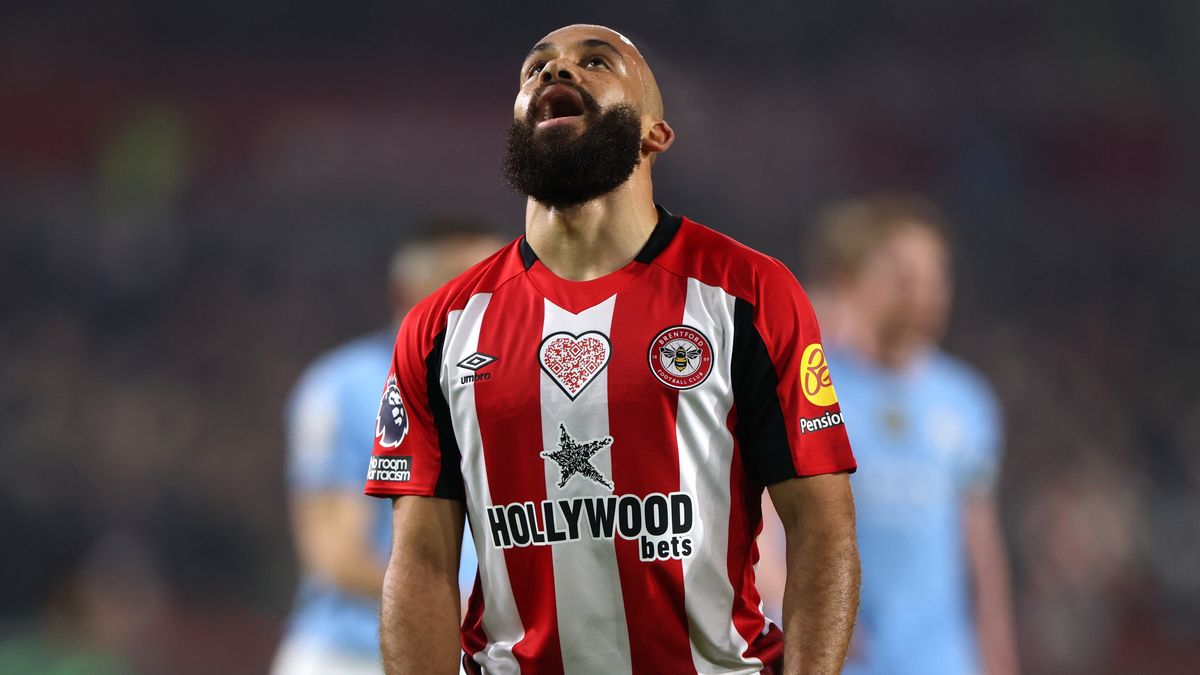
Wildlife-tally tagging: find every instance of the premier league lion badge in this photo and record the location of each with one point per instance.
(391, 424)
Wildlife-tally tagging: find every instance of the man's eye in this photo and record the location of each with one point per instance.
(596, 61)
(535, 69)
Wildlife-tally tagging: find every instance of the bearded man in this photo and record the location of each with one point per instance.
(605, 399)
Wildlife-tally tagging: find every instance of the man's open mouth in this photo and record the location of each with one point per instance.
(558, 102)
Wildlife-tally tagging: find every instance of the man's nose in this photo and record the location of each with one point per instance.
(558, 69)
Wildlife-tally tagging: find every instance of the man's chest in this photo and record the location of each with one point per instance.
(593, 425)
(912, 446)
(518, 361)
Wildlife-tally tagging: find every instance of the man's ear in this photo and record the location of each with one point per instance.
(659, 138)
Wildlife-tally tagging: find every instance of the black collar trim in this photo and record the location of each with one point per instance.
(664, 233)
(528, 257)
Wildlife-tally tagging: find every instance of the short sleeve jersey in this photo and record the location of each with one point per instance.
(932, 435)
(329, 424)
(611, 439)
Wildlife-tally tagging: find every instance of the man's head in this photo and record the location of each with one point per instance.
(588, 115)
(888, 256)
(441, 250)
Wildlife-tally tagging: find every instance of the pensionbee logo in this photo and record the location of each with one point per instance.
(814, 376)
(661, 524)
(826, 421)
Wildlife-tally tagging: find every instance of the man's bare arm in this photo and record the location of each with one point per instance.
(419, 619)
(333, 539)
(820, 600)
(990, 583)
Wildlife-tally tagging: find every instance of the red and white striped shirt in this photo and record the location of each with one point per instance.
(611, 440)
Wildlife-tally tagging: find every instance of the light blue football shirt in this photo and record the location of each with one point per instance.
(330, 421)
(924, 437)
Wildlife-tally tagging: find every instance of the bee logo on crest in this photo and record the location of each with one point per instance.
(680, 356)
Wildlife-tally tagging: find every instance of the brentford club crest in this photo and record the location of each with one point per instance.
(681, 357)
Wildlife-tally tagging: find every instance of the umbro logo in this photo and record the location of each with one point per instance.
(474, 363)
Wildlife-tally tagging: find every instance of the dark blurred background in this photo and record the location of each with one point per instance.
(198, 198)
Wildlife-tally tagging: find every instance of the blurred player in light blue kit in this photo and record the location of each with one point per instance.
(927, 432)
(343, 538)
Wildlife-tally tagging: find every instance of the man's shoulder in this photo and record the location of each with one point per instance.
(345, 365)
(716, 259)
(362, 348)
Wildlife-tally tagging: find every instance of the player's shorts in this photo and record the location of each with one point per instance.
(469, 667)
(298, 656)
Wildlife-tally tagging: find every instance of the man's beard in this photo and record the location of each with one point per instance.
(561, 168)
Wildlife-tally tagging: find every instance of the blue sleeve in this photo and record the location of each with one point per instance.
(320, 447)
(985, 439)
(468, 564)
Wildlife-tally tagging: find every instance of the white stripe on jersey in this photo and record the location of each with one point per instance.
(501, 621)
(587, 585)
(705, 456)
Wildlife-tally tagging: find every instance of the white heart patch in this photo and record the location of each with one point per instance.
(573, 361)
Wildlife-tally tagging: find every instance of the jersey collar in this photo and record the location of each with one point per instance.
(576, 296)
(664, 231)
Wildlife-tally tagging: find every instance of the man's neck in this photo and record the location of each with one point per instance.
(595, 238)
(892, 354)
(869, 341)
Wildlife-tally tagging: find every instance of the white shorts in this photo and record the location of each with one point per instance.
(298, 656)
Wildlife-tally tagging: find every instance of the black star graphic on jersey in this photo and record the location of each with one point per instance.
(575, 458)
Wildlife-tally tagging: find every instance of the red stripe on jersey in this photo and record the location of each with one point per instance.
(745, 524)
(647, 462)
(769, 649)
(748, 619)
(510, 425)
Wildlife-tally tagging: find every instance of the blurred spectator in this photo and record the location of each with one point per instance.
(1081, 523)
(343, 539)
(927, 432)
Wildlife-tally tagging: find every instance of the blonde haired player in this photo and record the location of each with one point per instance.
(935, 597)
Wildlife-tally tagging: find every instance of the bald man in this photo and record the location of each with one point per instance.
(605, 400)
